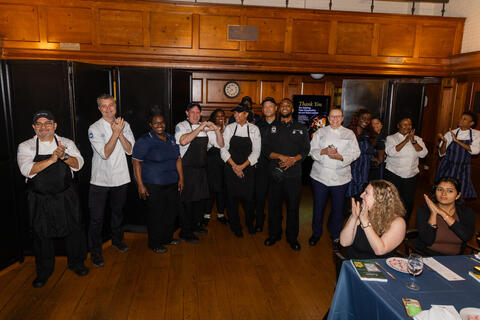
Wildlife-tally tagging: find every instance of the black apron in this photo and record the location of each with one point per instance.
(194, 163)
(215, 170)
(240, 149)
(53, 203)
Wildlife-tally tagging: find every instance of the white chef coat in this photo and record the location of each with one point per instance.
(26, 153)
(332, 172)
(184, 127)
(242, 132)
(111, 172)
(403, 163)
(464, 135)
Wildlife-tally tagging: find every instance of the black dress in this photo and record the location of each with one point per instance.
(361, 249)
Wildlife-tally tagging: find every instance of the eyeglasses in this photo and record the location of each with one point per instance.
(47, 124)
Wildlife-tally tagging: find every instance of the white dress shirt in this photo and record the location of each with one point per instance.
(332, 172)
(403, 163)
(184, 127)
(242, 132)
(463, 135)
(26, 153)
(111, 172)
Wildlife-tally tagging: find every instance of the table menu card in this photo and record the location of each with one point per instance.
(442, 270)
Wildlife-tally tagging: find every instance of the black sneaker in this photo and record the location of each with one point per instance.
(80, 270)
(160, 249)
(222, 220)
(200, 231)
(173, 242)
(190, 239)
(97, 260)
(122, 247)
(39, 282)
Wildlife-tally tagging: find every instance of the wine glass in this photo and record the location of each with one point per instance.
(414, 267)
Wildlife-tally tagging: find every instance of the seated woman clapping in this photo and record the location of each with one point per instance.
(444, 224)
(376, 226)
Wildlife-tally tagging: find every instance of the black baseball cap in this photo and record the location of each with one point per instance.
(43, 114)
(241, 108)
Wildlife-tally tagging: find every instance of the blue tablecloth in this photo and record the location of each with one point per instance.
(357, 299)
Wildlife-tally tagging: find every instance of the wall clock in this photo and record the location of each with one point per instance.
(231, 89)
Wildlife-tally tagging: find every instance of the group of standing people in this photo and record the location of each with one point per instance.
(242, 162)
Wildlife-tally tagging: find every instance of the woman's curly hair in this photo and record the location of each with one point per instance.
(387, 206)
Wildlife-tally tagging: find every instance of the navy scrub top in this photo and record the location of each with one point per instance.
(159, 158)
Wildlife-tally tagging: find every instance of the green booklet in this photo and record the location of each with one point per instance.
(367, 270)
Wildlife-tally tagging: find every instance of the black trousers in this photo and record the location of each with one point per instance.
(218, 197)
(290, 190)
(97, 199)
(162, 205)
(261, 192)
(44, 251)
(190, 217)
(406, 189)
(233, 202)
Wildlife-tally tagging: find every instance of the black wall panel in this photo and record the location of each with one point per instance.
(35, 85)
(139, 89)
(9, 223)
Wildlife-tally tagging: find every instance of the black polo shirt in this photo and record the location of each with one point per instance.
(264, 127)
(289, 139)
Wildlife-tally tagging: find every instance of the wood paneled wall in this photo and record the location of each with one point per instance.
(207, 88)
(194, 36)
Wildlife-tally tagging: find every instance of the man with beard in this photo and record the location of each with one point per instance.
(194, 137)
(269, 109)
(286, 144)
(48, 161)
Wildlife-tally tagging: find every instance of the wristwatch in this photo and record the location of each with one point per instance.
(414, 142)
(66, 157)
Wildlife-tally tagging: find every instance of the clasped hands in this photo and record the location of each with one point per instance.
(286, 162)
(332, 153)
(58, 153)
(238, 170)
(434, 208)
(441, 137)
(360, 211)
(117, 126)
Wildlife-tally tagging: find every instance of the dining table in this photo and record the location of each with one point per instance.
(358, 299)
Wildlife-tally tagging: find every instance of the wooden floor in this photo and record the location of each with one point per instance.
(222, 277)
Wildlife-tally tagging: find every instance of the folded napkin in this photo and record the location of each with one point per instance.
(438, 312)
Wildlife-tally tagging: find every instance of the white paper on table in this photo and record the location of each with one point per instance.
(442, 270)
(439, 312)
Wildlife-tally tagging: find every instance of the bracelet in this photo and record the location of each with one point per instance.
(414, 142)
(365, 227)
(434, 226)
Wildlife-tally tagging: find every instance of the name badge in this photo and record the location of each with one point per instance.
(274, 129)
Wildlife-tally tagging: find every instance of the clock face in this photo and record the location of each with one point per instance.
(231, 89)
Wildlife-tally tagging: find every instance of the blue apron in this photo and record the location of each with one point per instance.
(456, 163)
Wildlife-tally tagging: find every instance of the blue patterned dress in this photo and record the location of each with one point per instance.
(361, 167)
